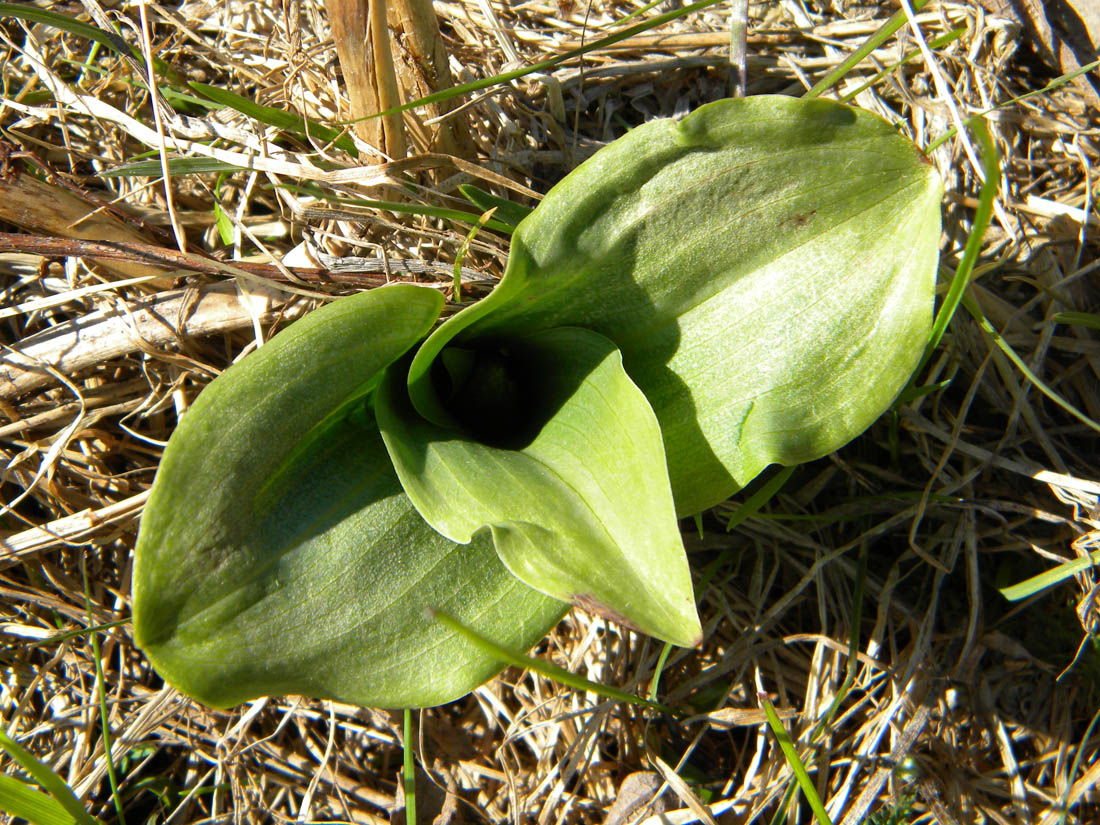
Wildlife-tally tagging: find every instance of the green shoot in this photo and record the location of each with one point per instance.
(101, 689)
(59, 793)
(1049, 578)
(791, 755)
(766, 493)
(656, 682)
(1076, 766)
(1054, 84)
(976, 312)
(408, 776)
(991, 163)
(460, 256)
(1083, 319)
(294, 124)
(508, 211)
(937, 43)
(884, 33)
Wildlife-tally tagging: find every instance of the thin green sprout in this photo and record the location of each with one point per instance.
(101, 689)
(884, 33)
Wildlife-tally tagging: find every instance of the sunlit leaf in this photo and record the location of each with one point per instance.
(766, 266)
(278, 553)
(560, 457)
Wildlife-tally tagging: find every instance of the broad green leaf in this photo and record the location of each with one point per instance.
(560, 457)
(20, 800)
(278, 553)
(57, 805)
(766, 266)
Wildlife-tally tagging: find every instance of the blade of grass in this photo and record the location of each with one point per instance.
(1049, 578)
(849, 677)
(101, 689)
(884, 32)
(112, 40)
(991, 165)
(761, 497)
(976, 313)
(53, 784)
(1082, 319)
(402, 208)
(1054, 84)
(1076, 766)
(937, 43)
(508, 211)
(84, 631)
(547, 669)
(303, 127)
(460, 255)
(655, 682)
(636, 13)
(176, 166)
(27, 12)
(408, 777)
(791, 755)
(22, 802)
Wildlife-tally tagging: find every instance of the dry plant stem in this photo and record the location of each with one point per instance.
(48, 209)
(148, 324)
(420, 61)
(362, 40)
(389, 94)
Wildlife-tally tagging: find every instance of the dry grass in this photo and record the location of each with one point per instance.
(962, 708)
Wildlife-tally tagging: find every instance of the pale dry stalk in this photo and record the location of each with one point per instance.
(390, 53)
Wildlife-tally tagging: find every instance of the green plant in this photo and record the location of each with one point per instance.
(750, 285)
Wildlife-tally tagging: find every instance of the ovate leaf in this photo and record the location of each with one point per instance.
(556, 453)
(278, 553)
(766, 266)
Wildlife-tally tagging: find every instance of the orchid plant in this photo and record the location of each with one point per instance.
(749, 285)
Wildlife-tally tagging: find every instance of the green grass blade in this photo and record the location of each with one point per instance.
(1049, 578)
(991, 166)
(295, 124)
(761, 497)
(1081, 319)
(508, 211)
(799, 769)
(25, 11)
(885, 31)
(176, 166)
(53, 784)
(655, 683)
(1054, 84)
(114, 42)
(84, 631)
(635, 14)
(975, 311)
(547, 669)
(20, 801)
(460, 215)
(913, 393)
(937, 43)
(101, 689)
(408, 777)
(1076, 766)
(463, 248)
